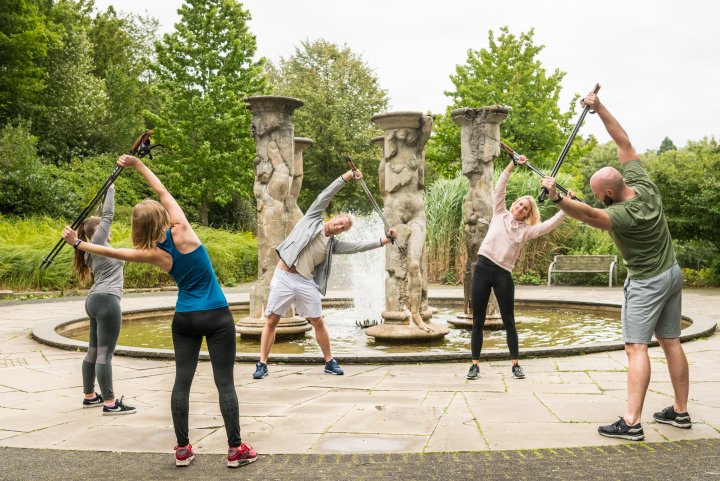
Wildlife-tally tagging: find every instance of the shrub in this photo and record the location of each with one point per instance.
(25, 242)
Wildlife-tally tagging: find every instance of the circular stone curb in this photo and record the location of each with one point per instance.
(701, 326)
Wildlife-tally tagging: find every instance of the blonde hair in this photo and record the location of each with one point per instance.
(533, 216)
(149, 221)
(85, 233)
(347, 216)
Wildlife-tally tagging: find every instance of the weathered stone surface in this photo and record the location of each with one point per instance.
(278, 179)
(402, 183)
(479, 146)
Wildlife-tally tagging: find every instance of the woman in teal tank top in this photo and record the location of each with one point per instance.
(162, 236)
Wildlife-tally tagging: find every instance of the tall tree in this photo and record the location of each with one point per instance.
(205, 69)
(24, 38)
(689, 185)
(122, 51)
(666, 145)
(341, 94)
(507, 72)
(75, 101)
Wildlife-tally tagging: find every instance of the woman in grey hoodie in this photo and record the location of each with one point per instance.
(103, 308)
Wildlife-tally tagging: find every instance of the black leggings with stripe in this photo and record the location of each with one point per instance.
(188, 330)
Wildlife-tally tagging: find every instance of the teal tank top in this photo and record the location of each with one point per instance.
(198, 288)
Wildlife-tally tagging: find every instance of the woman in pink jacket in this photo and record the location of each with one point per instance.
(508, 230)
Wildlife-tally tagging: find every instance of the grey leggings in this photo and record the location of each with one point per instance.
(218, 328)
(105, 321)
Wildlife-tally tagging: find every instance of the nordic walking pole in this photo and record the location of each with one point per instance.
(141, 147)
(375, 205)
(566, 149)
(514, 155)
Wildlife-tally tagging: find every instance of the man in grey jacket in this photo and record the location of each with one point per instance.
(302, 272)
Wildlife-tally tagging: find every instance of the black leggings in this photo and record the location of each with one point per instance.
(188, 329)
(489, 275)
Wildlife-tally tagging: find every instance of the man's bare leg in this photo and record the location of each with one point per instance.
(679, 375)
(322, 336)
(637, 382)
(267, 338)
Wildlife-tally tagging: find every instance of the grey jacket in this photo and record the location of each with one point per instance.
(308, 227)
(107, 272)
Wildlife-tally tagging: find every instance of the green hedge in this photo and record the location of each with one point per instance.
(25, 242)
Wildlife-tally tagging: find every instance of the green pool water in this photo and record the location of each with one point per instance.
(536, 328)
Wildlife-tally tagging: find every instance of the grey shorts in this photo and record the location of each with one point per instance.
(287, 288)
(652, 306)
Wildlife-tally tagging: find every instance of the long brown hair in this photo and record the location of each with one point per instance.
(149, 221)
(85, 233)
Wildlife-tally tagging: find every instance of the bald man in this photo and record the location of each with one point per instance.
(633, 215)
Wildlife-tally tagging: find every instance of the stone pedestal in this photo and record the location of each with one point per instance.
(401, 181)
(479, 147)
(276, 188)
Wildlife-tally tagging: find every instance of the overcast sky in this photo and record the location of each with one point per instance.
(658, 62)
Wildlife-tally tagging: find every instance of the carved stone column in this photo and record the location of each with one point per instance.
(275, 162)
(291, 207)
(402, 183)
(479, 146)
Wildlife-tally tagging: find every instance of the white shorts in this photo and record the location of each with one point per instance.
(287, 288)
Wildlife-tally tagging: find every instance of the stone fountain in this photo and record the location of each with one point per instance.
(278, 179)
(401, 180)
(479, 147)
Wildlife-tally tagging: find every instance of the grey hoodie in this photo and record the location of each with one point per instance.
(309, 226)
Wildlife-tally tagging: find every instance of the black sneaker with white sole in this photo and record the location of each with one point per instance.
(673, 418)
(118, 408)
(473, 372)
(518, 371)
(620, 429)
(261, 370)
(93, 402)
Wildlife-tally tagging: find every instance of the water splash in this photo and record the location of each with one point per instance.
(363, 274)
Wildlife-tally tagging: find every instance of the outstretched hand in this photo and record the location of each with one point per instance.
(522, 160)
(69, 235)
(352, 174)
(550, 185)
(591, 100)
(127, 161)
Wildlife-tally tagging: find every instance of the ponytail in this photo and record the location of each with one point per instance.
(85, 233)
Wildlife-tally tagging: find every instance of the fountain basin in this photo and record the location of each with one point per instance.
(51, 333)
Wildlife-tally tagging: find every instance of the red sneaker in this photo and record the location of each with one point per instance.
(184, 455)
(240, 456)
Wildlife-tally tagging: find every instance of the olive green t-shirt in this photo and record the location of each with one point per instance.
(639, 228)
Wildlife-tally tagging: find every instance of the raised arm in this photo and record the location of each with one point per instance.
(145, 256)
(625, 149)
(102, 233)
(323, 199)
(177, 216)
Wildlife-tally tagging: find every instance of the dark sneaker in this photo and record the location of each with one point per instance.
(518, 371)
(669, 416)
(474, 371)
(260, 370)
(93, 402)
(240, 456)
(621, 430)
(118, 408)
(184, 455)
(332, 367)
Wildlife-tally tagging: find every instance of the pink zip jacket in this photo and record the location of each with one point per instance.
(505, 235)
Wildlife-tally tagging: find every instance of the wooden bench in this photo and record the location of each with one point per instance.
(580, 263)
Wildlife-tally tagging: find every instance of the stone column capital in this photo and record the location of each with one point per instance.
(493, 114)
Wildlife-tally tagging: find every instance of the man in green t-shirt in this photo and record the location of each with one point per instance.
(634, 217)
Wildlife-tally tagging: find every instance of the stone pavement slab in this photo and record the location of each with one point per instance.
(384, 408)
